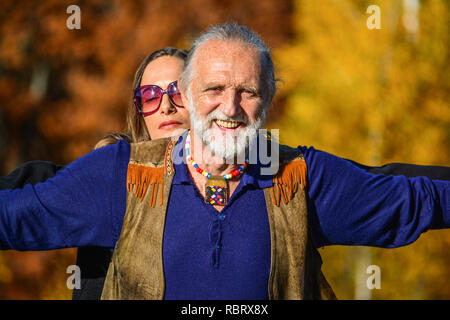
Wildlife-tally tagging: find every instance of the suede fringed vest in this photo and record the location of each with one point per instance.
(136, 269)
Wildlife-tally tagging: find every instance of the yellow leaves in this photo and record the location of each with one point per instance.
(5, 272)
(374, 96)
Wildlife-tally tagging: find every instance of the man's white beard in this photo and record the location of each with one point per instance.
(227, 146)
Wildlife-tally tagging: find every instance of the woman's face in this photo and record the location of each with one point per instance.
(168, 120)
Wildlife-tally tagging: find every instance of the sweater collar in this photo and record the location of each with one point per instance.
(251, 177)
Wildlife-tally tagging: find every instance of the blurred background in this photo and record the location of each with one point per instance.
(374, 96)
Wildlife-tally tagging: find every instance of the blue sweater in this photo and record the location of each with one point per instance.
(211, 255)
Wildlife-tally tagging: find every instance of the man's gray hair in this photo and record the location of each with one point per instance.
(246, 36)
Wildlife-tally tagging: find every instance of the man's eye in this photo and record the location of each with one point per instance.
(214, 90)
(249, 93)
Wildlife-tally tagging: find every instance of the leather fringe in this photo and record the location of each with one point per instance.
(141, 177)
(287, 180)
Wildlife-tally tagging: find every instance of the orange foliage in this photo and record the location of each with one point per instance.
(62, 90)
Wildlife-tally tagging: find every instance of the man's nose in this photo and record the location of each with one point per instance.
(232, 103)
(166, 106)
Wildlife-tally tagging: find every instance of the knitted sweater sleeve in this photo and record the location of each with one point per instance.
(82, 205)
(350, 206)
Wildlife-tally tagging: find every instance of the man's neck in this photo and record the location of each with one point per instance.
(207, 160)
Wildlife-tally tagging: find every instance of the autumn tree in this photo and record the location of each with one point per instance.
(374, 96)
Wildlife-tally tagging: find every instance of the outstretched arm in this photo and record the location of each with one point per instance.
(29, 173)
(350, 206)
(408, 170)
(83, 204)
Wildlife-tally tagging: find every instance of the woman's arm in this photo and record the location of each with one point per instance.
(83, 204)
(29, 173)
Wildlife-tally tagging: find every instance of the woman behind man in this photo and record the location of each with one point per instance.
(153, 114)
(156, 112)
(153, 119)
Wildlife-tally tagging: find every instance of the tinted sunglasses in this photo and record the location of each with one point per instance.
(147, 99)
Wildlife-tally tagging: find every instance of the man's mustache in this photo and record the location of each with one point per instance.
(218, 115)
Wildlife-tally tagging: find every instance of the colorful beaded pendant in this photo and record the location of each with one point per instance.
(216, 188)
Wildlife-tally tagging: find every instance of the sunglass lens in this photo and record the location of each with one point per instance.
(150, 98)
(175, 94)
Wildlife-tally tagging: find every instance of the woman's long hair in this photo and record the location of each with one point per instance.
(136, 129)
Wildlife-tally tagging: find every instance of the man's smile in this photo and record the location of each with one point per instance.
(228, 124)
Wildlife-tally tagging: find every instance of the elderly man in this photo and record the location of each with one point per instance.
(215, 226)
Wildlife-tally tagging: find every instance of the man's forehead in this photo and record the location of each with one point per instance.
(226, 49)
(230, 55)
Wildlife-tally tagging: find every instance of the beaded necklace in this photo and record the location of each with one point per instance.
(216, 188)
